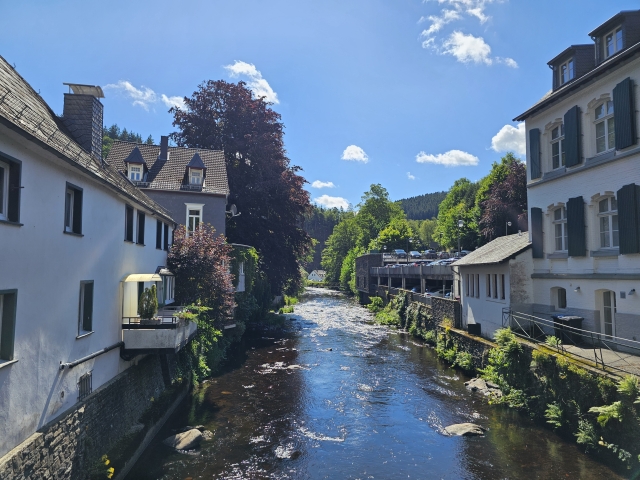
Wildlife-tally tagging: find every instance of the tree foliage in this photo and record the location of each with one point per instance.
(319, 224)
(422, 207)
(458, 205)
(148, 304)
(109, 134)
(264, 186)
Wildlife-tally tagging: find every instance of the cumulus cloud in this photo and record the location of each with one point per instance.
(467, 48)
(144, 96)
(510, 139)
(331, 202)
(319, 184)
(452, 158)
(437, 22)
(355, 154)
(256, 83)
(410, 177)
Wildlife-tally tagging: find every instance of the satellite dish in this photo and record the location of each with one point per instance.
(233, 210)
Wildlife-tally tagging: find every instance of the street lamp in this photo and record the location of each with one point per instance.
(506, 228)
(460, 225)
(409, 240)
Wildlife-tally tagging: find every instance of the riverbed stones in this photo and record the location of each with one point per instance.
(184, 441)
(484, 387)
(464, 429)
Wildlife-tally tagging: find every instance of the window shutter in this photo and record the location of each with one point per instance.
(624, 113)
(77, 211)
(8, 326)
(556, 80)
(576, 235)
(536, 233)
(87, 310)
(13, 212)
(628, 218)
(572, 137)
(128, 223)
(534, 151)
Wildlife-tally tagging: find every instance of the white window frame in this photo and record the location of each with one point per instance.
(569, 68)
(558, 140)
(4, 191)
(607, 220)
(69, 201)
(560, 226)
(193, 207)
(138, 170)
(196, 176)
(617, 42)
(608, 126)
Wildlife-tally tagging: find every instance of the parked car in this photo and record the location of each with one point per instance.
(399, 253)
(429, 254)
(433, 292)
(443, 255)
(414, 254)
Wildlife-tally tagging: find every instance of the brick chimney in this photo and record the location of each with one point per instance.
(82, 115)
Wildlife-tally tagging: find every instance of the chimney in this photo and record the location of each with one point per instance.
(164, 148)
(82, 115)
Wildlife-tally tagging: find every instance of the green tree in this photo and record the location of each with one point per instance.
(459, 204)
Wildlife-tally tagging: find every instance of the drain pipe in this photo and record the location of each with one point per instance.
(70, 365)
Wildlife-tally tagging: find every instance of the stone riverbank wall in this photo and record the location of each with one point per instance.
(126, 409)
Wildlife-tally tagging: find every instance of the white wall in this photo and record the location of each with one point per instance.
(483, 309)
(46, 267)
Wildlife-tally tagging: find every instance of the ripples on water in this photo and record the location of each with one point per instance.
(339, 397)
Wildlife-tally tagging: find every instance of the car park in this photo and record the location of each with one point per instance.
(443, 255)
(429, 254)
(399, 253)
(414, 254)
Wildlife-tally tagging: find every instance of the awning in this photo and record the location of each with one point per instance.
(143, 277)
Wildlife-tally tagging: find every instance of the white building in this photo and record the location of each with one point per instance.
(317, 276)
(583, 162)
(495, 277)
(73, 231)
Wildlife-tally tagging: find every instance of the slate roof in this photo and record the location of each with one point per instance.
(24, 111)
(496, 251)
(170, 174)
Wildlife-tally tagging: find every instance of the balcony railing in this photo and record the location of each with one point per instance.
(166, 332)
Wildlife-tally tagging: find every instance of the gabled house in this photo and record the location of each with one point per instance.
(317, 276)
(191, 183)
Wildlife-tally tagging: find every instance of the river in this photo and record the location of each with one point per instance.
(338, 397)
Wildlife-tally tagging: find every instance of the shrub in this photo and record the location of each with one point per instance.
(375, 305)
(148, 304)
(586, 434)
(464, 360)
(552, 341)
(553, 414)
(430, 337)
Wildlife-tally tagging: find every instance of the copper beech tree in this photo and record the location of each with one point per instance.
(266, 189)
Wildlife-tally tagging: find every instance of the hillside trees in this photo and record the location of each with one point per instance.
(422, 207)
(266, 189)
(319, 224)
(458, 205)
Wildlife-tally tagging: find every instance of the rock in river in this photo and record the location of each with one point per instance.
(184, 441)
(466, 429)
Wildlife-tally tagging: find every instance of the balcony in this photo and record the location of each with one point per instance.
(166, 333)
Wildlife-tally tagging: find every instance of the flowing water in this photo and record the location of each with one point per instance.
(340, 398)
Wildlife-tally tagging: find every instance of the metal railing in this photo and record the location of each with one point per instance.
(605, 351)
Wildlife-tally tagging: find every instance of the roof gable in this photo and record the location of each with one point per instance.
(196, 162)
(497, 251)
(135, 157)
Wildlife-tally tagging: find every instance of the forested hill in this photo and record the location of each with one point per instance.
(422, 207)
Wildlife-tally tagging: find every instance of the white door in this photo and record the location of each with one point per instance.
(609, 312)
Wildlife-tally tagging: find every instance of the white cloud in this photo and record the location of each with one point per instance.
(410, 177)
(144, 97)
(319, 184)
(256, 83)
(452, 158)
(355, 153)
(510, 139)
(437, 22)
(509, 62)
(331, 202)
(467, 48)
(177, 102)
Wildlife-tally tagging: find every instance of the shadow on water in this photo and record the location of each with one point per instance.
(339, 397)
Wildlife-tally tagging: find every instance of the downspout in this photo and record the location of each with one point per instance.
(70, 365)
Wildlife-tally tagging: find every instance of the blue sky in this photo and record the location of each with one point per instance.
(411, 94)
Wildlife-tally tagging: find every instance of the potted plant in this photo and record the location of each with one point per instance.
(148, 304)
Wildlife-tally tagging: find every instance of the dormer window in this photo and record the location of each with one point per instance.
(195, 176)
(567, 72)
(135, 173)
(612, 42)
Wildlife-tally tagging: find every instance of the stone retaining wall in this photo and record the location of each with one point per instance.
(67, 447)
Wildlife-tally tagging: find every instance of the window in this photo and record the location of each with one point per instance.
(560, 228)
(468, 284)
(140, 232)
(562, 298)
(128, 223)
(489, 285)
(10, 190)
(73, 210)
(195, 177)
(166, 237)
(612, 42)
(158, 234)
(567, 72)
(504, 288)
(605, 127)
(85, 386)
(85, 317)
(608, 220)
(168, 286)
(194, 216)
(477, 285)
(135, 173)
(495, 285)
(8, 303)
(557, 147)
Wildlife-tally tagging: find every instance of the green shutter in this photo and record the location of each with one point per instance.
(534, 151)
(576, 235)
(572, 137)
(536, 233)
(628, 218)
(13, 212)
(624, 113)
(8, 325)
(87, 310)
(77, 211)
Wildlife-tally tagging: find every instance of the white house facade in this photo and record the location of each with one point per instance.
(317, 276)
(583, 161)
(72, 230)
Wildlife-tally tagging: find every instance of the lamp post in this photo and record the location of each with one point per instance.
(409, 241)
(506, 228)
(460, 225)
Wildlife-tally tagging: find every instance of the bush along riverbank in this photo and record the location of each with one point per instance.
(599, 412)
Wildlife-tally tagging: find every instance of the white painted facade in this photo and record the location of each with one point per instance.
(46, 267)
(597, 177)
(317, 276)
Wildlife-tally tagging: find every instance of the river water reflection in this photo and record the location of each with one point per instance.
(338, 397)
